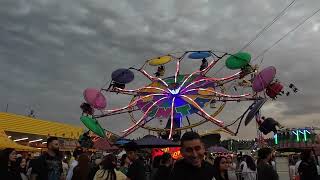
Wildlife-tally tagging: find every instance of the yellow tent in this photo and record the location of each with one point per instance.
(23, 124)
(5, 142)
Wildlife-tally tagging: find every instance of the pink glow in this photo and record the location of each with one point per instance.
(139, 89)
(212, 119)
(133, 103)
(145, 114)
(197, 71)
(152, 78)
(177, 71)
(210, 66)
(172, 113)
(218, 93)
(210, 79)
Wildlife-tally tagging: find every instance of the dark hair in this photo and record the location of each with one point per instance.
(81, 171)
(292, 161)
(216, 165)
(263, 153)
(123, 159)
(108, 164)
(250, 162)
(165, 158)
(4, 160)
(131, 146)
(305, 155)
(77, 152)
(188, 136)
(50, 139)
(20, 169)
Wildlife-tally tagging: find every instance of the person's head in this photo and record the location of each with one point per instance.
(221, 164)
(83, 159)
(109, 162)
(23, 163)
(53, 143)
(166, 160)
(292, 162)
(306, 155)
(265, 154)
(250, 162)
(229, 159)
(8, 157)
(131, 150)
(10, 154)
(77, 152)
(124, 160)
(81, 171)
(192, 149)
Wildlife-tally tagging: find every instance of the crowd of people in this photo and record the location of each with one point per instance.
(195, 164)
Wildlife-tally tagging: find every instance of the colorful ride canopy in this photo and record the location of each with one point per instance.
(93, 125)
(238, 60)
(95, 98)
(199, 55)
(197, 91)
(263, 79)
(256, 106)
(160, 61)
(122, 76)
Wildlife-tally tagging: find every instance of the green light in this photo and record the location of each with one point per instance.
(305, 135)
(297, 135)
(275, 138)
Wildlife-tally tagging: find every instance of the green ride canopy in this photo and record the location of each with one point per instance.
(93, 125)
(238, 60)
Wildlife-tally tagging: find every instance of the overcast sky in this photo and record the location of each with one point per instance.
(51, 50)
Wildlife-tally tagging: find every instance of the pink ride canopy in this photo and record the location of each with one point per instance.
(95, 98)
(263, 79)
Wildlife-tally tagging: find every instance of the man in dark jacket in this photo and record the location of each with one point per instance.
(265, 169)
(192, 166)
(49, 165)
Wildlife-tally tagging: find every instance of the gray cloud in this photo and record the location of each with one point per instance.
(51, 50)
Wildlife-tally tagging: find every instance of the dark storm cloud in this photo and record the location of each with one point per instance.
(51, 50)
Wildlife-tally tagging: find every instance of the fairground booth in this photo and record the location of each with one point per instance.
(25, 133)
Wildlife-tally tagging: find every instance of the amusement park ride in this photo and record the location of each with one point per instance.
(178, 96)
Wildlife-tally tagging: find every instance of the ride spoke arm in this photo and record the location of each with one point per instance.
(136, 128)
(152, 78)
(207, 116)
(199, 71)
(139, 90)
(177, 71)
(172, 117)
(111, 114)
(210, 66)
(225, 129)
(145, 114)
(213, 92)
(178, 66)
(232, 77)
(133, 103)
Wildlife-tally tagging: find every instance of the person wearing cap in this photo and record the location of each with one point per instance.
(192, 166)
(136, 170)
